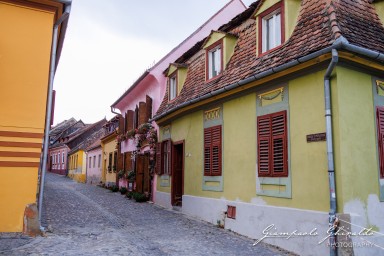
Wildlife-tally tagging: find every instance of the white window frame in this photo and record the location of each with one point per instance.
(271, 40)
(172, 87)
(214, 61)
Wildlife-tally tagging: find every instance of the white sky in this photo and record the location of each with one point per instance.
(110, 43)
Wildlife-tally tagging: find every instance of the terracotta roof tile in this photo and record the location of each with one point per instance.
(319, 24)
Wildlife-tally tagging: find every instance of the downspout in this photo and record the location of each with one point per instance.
(63, 17)
(331, 167)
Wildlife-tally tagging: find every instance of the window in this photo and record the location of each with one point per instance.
(90, 162)
(115, 160)
(163, 157)
(94, 161)
(110, 162)
(214, 60)
(212, 151)
(58, 159)
(166, 157)
(271, 28)
(272, 145)
(172, 87)
(380, 137)
(62, 157)
(99, 162)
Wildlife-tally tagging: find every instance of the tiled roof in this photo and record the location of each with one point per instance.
(319, 24)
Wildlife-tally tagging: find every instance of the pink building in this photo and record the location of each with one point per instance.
(58, 150)
(94, 164)
(143, 99)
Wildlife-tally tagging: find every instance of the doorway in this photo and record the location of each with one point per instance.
(143, 183)
(177, 174)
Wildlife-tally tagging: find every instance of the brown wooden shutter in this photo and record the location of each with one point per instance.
(212, 151)
(380, 138)
(120, 160)
(142, 113)
(279, 144)
(148, 102)
(158, 159)
(136, 117)
(169, 148)
(129, 120)
(207, 151)
(121, 124)
(263, 144)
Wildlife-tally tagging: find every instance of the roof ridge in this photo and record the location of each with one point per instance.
(330, 10)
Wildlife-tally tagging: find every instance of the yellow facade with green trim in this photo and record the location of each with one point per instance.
(25, 49)
(307, 163)
(109, 147)
(355, 144)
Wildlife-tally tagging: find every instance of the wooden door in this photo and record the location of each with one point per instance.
(139, 173)
(177, 174)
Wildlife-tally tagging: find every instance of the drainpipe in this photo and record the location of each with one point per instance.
(63, 17)
(331, 167)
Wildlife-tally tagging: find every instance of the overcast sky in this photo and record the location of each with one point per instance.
(110, 43)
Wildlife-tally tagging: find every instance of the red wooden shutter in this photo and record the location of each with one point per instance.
(380, 137)
(263, 145)
(129, 120)
(216, 151)
(142, 113)
(148, 102)
(212, 151)
(272, 144)
(158, 159)
(207, 151)
(279, 144)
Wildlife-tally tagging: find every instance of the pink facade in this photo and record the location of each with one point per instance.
(153, 82)
(94, 165)
(58, 160)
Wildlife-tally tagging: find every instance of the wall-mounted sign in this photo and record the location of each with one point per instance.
(316, 137)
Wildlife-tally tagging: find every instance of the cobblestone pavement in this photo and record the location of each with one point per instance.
(89, 220)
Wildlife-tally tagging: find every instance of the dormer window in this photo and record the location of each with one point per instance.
(271, 28)
(172, 87)
(214, 60)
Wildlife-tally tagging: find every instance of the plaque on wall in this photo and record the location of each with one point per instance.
(317, 137)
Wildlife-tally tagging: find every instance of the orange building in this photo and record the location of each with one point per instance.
(30, 46)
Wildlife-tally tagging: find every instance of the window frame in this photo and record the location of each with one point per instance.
(273, 10)
(209, 144)
(174, 77)
(210, 49)
(270, 139)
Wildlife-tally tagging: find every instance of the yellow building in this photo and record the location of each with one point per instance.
(77, 166)
(252, 137)
(32, 34)
(109, 153)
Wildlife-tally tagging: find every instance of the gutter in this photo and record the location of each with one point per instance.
(43, 166)
(340, 44)
(331, 168)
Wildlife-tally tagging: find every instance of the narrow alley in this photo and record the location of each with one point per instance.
(90, 220)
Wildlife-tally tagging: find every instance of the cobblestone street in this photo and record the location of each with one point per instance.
(89, 220)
